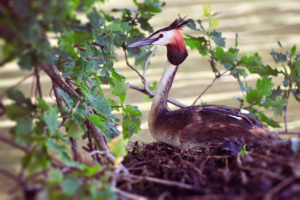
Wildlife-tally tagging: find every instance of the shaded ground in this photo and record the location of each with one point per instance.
(211, 172)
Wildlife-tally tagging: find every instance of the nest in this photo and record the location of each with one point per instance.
(213, 172)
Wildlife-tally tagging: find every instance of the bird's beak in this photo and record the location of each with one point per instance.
(144, 42)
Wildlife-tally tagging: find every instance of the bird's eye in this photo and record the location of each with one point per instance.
(161, 35)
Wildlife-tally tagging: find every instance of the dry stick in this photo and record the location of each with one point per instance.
(68, 60)
(292, 133)
(269, 173)
(125, 195)
(155, 180)
(280, 186)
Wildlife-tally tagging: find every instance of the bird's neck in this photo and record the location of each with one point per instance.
(160, 99)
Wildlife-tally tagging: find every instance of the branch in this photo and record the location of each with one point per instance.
(151, 94)
(156, 180)
(9, 175)
(16, 85)
(53, 73)
(286, 107)
(12, 143)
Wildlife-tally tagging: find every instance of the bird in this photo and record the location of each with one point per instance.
(193, 126)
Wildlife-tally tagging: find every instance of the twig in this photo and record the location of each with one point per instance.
(74, 147)
(156, 180)
(148, 59)
(12, 143)
(205, 90)
(280, 186)
(9, 175)
(16, 85)
(269, 173)
(101, 47)
(68, 60)
(125, 195)
(98, 152)
(151, 94)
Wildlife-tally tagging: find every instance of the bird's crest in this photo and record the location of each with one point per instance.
(177, 24)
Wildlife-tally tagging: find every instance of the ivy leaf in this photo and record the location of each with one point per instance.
(42, 104)
(51, 119)
(119, 89)
(264, 86)
(65, 96)
(131, 120)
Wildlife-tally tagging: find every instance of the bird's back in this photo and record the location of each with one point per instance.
(199, 125)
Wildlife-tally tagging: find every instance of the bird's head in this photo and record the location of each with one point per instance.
(170, 37)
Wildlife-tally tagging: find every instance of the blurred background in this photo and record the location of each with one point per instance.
(259, 24)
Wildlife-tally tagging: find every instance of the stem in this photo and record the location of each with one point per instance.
(286, 107)
(205, 90)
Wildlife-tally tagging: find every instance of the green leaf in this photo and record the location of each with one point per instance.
(277, 106)
(131, 120)
(264, 86)
(94, 18)
(117, 25)
(70, 185)
(26, 61)
(15, 111)
(278, 57)
(253, 97)
(16, 95)
(97, 101)
(214, 23)
(252, 63)
(119, 89)
(192, 25)
(225, 57)
(24, 126)
(217, 38)
(51, 119)
(74, 130)
(42, 104)
(275, 93)
(293, 50)
(52, 144)
(199, 43)
(269, 121)
(65, 96)
(55, 177)
(95, 119)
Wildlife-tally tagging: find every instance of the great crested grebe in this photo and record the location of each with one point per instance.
(195, 125)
